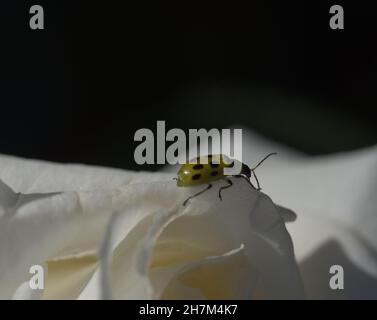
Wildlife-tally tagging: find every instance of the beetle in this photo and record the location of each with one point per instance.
(206, 169)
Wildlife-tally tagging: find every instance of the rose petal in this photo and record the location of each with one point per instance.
(63, 224)
(334, 197)
(208, 227)
(230, 272)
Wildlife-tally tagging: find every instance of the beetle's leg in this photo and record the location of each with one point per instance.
(230, 183)
(197, 194)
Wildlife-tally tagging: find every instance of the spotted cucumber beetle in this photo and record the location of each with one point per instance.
(206, 170)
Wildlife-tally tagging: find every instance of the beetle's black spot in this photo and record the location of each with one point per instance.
(196, 176)
(214, 165)
(214, 173)
(198, 167)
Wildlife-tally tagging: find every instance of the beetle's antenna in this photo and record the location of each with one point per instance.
(264, 159)
(256, 179)
(260, 162)
(175, 178)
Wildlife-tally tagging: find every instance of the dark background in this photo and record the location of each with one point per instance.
(78, 90)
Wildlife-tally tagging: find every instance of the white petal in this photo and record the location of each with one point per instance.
(37, 227)
(58, 226)
(230, 272)
(68, 277)
(24, 292)
(334, 198)
(208, 227)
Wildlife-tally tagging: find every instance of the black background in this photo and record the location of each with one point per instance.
(78, 90)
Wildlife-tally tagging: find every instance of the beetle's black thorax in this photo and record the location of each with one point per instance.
(245, 170)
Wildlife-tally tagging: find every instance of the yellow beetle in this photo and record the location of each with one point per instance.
(206, 170)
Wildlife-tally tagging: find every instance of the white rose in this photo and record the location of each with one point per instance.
(106, 233)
